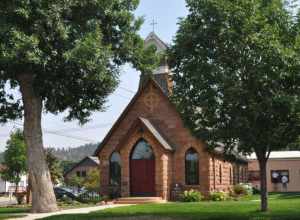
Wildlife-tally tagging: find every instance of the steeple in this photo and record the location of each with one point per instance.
(162, 74)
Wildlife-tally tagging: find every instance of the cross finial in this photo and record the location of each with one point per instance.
(153, 23)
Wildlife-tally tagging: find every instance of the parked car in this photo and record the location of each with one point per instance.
(61, 192)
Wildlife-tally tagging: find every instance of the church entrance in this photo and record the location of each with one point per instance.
(142, 170)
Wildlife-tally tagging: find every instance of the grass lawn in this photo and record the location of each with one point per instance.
(282, 207)
(6, 213)
(17, 211)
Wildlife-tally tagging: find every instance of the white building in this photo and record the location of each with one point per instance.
(6, 187)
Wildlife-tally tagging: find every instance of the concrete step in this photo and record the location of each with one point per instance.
(139, 200)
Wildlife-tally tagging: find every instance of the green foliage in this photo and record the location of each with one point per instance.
(75, 154)
(14, 158)
(75, 181)
(54, 167)
(236, 68)
(73, 49)
(218, 196)
(66, 165)
(237, 80)
(242, 189)
(191, 196)
(280, 208)
(92, 181)
(239, 190)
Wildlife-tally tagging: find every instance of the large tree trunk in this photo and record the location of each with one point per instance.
(43, 198)
(263, 185)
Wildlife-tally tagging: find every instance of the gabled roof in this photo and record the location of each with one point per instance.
(124, 113)
(152, 38)
(156, 134)
(146, 124)
(94, 160)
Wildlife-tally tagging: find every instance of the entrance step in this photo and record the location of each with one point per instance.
(139, 200)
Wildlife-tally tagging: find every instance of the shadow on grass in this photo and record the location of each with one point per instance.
(286, 195)
(280, 209)
(201, 215)
(13, 210)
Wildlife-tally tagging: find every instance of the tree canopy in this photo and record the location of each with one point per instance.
(14, 158)
(55, 168)
(72, 48)
(63, 56)
(237, 75)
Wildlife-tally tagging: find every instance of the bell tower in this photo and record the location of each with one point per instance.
(162, 74)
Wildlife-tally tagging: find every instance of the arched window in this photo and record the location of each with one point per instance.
(191, 167)
(115, 169)
(142, 151)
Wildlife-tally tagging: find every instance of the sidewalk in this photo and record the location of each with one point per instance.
(5, 201)
(67, 211)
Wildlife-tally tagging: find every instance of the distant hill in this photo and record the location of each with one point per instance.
(76, 153)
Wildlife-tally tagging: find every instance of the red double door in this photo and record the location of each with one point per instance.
(142, 177)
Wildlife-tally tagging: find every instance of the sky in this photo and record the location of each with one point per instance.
(60, 134)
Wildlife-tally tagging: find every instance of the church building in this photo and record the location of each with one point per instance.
(149, 152)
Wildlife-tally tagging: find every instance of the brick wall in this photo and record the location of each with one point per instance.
(170, 167)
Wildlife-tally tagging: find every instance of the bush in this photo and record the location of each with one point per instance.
(242, 189)
(20, 198)
(191, 196)
(255, 190)
(218, 196)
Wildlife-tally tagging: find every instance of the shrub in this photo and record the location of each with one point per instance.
(20, 198)
(255, 190)
(242, 189)
(191, 196)
(218, 196)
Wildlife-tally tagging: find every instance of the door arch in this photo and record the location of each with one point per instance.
(142, 170)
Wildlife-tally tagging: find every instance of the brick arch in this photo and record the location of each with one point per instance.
(135, 145)
(142, 169)
(135, 139)
(160, 160)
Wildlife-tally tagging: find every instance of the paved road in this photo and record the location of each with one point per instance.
(67, 211)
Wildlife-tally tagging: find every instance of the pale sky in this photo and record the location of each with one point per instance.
(166, 14)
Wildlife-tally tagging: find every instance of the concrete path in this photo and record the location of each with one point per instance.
(67, 211)
(6, 201)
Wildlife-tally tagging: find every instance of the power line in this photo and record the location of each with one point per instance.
(58, 132)
(62, 135)
(121, 96)
(86, 128)
(126, 89)
(70, 136)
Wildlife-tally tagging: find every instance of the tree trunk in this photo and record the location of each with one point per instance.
(263, 185)
(16, 189)
(43, 198)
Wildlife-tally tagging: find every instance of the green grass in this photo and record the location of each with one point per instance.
(282, 207)
(6, 213)
(21, 211)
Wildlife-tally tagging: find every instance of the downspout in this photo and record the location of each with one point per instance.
(214, 172)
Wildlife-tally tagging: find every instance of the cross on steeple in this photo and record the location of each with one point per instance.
(153, 23)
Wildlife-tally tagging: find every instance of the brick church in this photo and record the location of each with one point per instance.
(149, 151)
